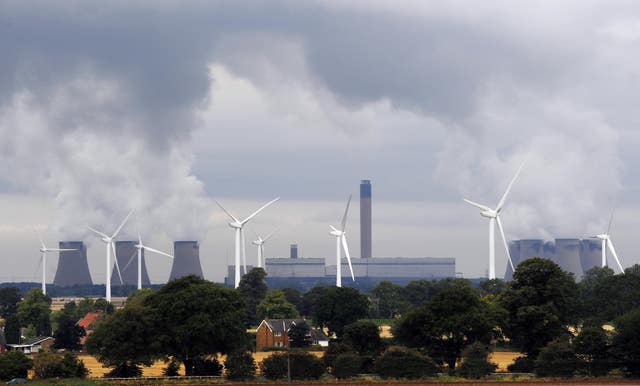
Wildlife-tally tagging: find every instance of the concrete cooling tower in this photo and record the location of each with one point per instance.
(590, 254)
(521, 250)
(568, 256)
(127, 253)
(186, 259)
(73, 268)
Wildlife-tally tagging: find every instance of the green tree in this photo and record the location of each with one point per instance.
(597, 292)
(419, 292)
(303, 365)
(294, 297)
(557, 359)
(14, 364)
(475, 362)
(50, 365)
(310, 298)
(34, 310)
(492, 287)
(388, 299)
(12, 329)
(540, 303)
(346, 365)
(68, 334)
(450, 321)
(363, 336)
(253, 289)
(275, 306)
(626, 342)
(333, 351)
(194, 318)
(339, 306)
(240, 366)
(401, 362)
(9, 299)
(124, 340)
(593, 347)
(299, 336)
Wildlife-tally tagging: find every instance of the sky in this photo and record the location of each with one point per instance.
(163, 107)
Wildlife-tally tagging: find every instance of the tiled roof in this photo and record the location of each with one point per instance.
(90, 319)
(283, 325)
(34, 341)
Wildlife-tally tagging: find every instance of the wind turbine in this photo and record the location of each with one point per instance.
(260, 244)
(239, 237)
(494, 217)
(140, 246)
(111, 248)
(341, 239)
(43, 261)
(606, 242)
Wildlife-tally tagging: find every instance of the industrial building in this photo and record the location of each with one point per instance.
(73, 268)
(572, 255)
(127, 255)
(186, 259)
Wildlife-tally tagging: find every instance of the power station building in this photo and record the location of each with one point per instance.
(365, 219)
(73, 268)
(186, 259)
(572, 255)
(127, 255)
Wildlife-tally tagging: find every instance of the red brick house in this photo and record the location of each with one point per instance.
(88, 323)
(275, 333)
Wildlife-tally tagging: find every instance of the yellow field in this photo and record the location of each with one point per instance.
(503, 359)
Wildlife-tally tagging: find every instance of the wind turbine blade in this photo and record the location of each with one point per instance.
(115, 259)
(615, 255)
(333, 228)
(506, 193)
(479, 206)
(157, 251)
(130, 260)
(271, 234)
(97, 232)
(344, 217)
(611, 219)
(121, 225)
(60, 249)
(346, 252)
(41, 242)
(506, 245)
(259, 210)
(227, 212)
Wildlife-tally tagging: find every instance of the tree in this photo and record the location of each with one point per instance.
(475, 362)
(194, 318)
(14, 364)
(450, 321)
(12, 329)
(310, 298)
(275, 306)
(540, 303)
(419, 292)
(240, 366)
(67, 335)
(401, 362)
(346, 365)
(557, 359)
(492, 287)
(34, 310)
(334, 350)
(339, 306)
(9, 299)
(124, 340)
(252, 289)
(626, 342)
(597, 293)
(363, 336)
(299, 335)
(294, 297)
(388, 299)
(303, 365)
(593, 347)
(50, 365)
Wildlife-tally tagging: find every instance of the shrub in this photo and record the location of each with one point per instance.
(14, 364)
(346, 365)
(240, 366)
(333, 351)
(400, 362)
(208, 366)
(125, 370)
(557, 359)
(172, 369)
(363, 336)
(521, 365)
(475, 362)
(593, 346)
(303, 366)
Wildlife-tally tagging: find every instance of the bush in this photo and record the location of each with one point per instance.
(172, 369)
(557, 359)
(521, 365)
(333, 351)
(303, 366)
(593, 346)
(14, 364)
(363, 336)
(475, 362)
(346, 365)
(206, 367)
(240, 366)
(400, 362)
(125, 370)
(49, 365)
(626, 342)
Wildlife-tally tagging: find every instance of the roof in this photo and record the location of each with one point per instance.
(317, 335)
(281, 325)
(32, 342)
(90, 319)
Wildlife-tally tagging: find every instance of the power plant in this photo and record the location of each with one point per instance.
(73, 268)
(186, 259)
(365, 219)
(126, 254)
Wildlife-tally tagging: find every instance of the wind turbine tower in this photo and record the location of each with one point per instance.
(341, 241)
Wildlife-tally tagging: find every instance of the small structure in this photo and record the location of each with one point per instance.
(34, 345)
(88, 322)
(275, 333)
(3, 342)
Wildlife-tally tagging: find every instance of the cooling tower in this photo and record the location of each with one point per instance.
(127, 255)
(72, 265)
(186, 259)
(590, 254)
(568, 256)
(531, 248)
(514, 251)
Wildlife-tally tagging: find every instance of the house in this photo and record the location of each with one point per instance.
(3, 342)
(88, 322)
(41, 343)
(275, 333)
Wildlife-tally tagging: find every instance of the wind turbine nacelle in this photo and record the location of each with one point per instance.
(488, 214)
(235, 225)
